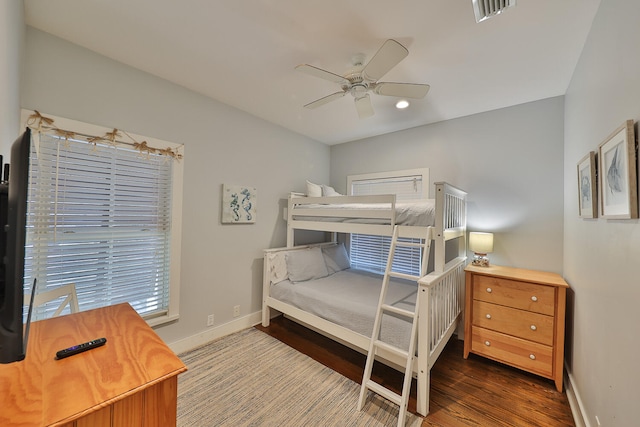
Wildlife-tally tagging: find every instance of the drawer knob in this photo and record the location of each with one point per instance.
(489, 290)
(488, 316)
(532, 356)
(533, 327)
(534, 298)
(487, 343)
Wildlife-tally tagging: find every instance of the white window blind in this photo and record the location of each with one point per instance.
(369, 252)
(100, 217)
(405, 188)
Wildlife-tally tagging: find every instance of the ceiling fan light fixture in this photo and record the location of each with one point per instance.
(485, 9)
(402, 104)
(361, 79)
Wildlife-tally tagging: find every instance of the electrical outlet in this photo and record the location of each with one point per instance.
(236, 310)
(210, 320)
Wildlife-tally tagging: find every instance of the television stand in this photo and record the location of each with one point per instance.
(132, 380)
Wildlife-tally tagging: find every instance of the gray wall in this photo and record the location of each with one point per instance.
(221, 264)
(601, 256)
(12, 31)
(509, 161)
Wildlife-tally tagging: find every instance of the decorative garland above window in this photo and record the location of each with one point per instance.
(41, 124)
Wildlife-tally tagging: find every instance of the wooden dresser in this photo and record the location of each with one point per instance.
(517, 317)
(132, 380)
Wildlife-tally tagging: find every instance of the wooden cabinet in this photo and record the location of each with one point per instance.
(132, 380)
(516, 316)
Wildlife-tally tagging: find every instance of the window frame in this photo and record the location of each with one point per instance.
(423, 173)
(172, 313)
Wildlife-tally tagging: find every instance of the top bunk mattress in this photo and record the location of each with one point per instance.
(415, 213)
(349, 298)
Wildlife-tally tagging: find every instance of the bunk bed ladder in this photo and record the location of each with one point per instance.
(376, 344)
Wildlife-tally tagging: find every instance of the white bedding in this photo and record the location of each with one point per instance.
(349, 298)
(419, 213)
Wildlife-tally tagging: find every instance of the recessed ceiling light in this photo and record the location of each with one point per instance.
(402, 104)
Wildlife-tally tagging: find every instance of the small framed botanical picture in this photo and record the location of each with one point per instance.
(617, 174)
(239, 204)
(587, 187)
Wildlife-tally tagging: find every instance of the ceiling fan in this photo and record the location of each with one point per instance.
(363, 78)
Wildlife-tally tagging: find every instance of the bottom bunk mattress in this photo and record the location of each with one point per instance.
(349, 298)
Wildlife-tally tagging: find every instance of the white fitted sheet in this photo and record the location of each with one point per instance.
(349, 298)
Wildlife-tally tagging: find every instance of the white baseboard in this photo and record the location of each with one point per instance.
(577, 408)
(211, 334)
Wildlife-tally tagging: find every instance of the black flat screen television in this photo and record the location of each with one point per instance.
(13, 222)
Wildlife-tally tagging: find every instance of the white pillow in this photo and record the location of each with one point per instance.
(336, 258)
(278, 267)
(306, 264)
(329, 191)
(314, 190)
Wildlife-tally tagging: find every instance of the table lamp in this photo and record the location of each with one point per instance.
(481, 244)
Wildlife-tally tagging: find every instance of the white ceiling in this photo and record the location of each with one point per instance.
(243, 52)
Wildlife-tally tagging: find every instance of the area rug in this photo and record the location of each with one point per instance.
(251, 379)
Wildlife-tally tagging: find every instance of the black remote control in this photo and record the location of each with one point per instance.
(80, 348)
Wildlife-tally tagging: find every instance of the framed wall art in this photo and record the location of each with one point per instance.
(239, 204)
(587, 187)
(617, 174)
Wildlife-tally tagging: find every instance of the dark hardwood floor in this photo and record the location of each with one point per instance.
(472, 392)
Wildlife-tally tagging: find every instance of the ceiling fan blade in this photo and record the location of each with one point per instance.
(323, 74)
(320, 102)
(387, 57)
(364, 107)
(402, 90)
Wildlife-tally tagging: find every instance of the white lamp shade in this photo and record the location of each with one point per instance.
(481, 243)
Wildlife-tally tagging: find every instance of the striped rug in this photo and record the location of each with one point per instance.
(251, 379)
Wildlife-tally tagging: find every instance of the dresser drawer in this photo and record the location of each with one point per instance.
(523, 324)
(530, 356)
(516, 294)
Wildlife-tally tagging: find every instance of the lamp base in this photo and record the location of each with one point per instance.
(480, 260)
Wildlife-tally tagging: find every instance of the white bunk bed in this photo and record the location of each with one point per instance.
(441, 292)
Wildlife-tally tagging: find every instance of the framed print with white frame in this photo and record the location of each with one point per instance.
(617, 174)
(587, 187)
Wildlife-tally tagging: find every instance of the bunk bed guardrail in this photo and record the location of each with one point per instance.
(441, 305)
(304, 213)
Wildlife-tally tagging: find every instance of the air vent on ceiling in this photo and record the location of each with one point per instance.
(485, 9)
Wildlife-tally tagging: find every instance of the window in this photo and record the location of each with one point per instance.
(106, 218)
(369, 252)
